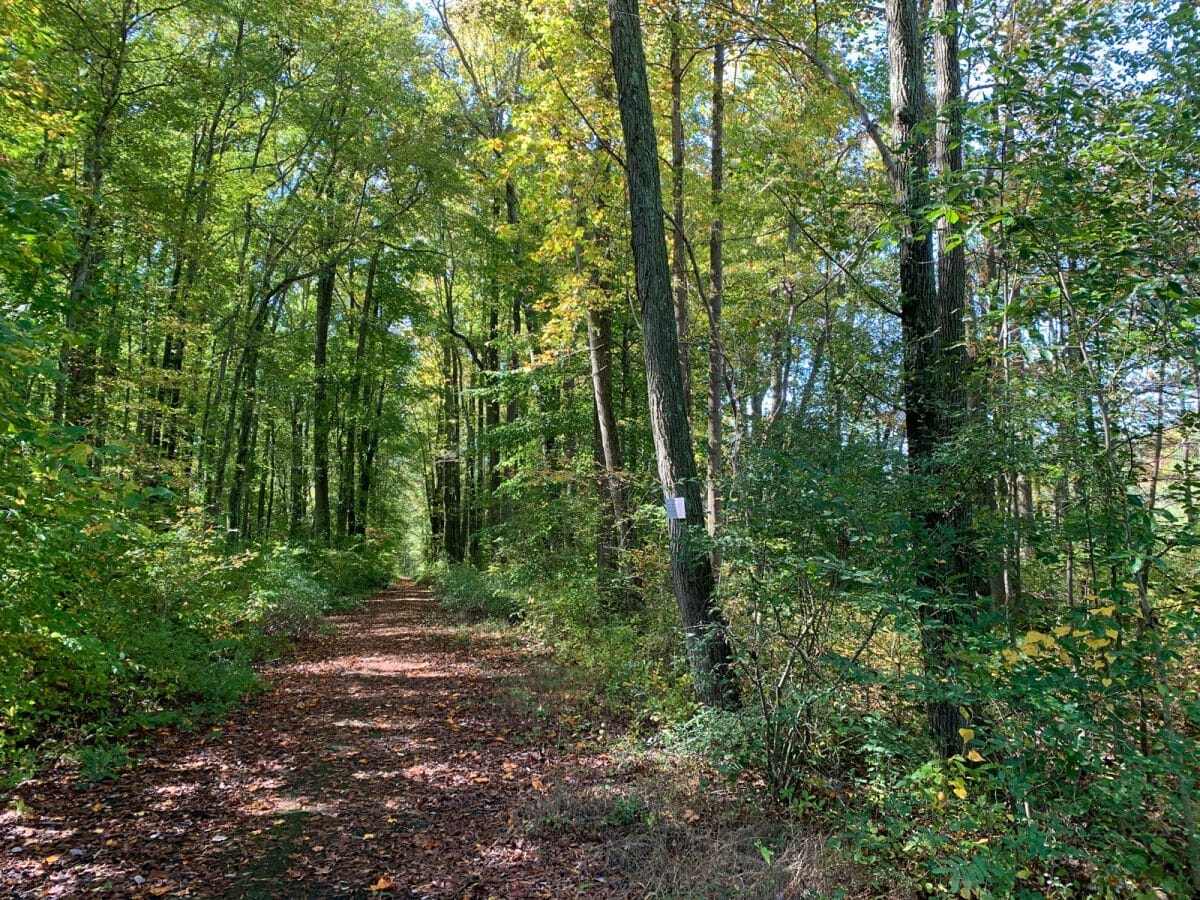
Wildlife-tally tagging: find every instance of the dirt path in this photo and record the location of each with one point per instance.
(389, 760)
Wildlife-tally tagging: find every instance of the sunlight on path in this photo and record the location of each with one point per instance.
(388, 760)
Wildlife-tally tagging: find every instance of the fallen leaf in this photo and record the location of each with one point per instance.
(385, 883)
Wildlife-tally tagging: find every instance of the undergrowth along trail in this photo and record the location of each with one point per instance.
(398, 756)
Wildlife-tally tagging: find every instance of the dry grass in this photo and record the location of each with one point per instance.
(676, 833)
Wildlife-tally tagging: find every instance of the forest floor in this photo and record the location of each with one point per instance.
(403, 755)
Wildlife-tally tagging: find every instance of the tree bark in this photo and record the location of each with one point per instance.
(321, 411)
(934, 363)
(709, 652)
(716, 297)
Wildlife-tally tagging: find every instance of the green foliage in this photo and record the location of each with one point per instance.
(468, 592)
(103, 762)
(135, 629)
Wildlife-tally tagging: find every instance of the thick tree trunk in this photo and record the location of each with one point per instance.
(708, 647)
(934, 361)
(321, 410)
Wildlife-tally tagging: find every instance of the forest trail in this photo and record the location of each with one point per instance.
(388, 760)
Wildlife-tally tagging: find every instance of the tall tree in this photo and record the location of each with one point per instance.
(934, 366)
(691, 570)
(716, 292)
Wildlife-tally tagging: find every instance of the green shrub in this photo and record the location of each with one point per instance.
(285, 601)
(479, 595)
(168, 634)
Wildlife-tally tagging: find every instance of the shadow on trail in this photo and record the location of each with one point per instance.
(389, 758)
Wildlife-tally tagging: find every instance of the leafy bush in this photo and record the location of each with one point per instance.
(479, 595)
(285, 601)
(168, 634)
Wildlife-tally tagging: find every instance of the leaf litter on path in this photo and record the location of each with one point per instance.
(387, 760)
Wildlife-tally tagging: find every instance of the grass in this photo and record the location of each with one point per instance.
(677, 833)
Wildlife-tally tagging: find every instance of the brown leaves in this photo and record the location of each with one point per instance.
(325, 781)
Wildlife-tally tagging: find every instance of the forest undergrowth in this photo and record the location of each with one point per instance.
(136, 631)
(840, 765)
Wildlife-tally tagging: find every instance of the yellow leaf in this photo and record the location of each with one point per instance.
(1112, 633)
(1010, 656)
(1105, 610)
(974, 756)
(1062, 630)
(368, 837)
(1107, 682)
(385, 883)
(967, 733)
(1097, 643)
(960, 790)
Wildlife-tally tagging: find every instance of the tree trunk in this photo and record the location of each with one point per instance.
(607, 555)
(75, 403)
(321, 412)
(358, 398)
(709, 652)
(934, 361)
(716, 297)
(369, 442)
(678, 237)
(599, 328)
(297, 480)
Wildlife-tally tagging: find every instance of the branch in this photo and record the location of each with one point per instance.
(818, 62)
